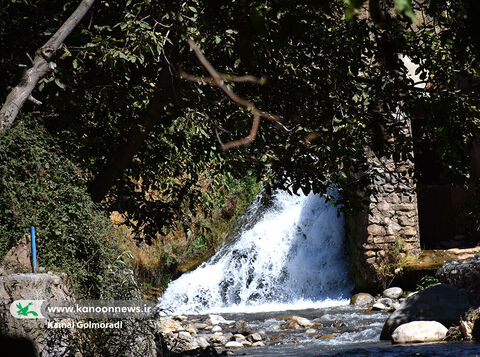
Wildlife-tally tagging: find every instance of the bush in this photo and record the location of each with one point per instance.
(39, 187)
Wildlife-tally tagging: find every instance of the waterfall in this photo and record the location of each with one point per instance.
(288, 255)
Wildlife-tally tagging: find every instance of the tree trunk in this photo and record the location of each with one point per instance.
(41, 66)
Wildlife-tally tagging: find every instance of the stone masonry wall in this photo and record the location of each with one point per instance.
(390, 220)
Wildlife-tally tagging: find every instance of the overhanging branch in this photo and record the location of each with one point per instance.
(41, 66)
(218, 80)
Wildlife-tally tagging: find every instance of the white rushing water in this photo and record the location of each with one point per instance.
(290, 255)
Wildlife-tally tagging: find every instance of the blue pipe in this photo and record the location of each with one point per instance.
(34, 249)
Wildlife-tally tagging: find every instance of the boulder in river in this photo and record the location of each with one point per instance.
(302, 321)
(241, 327)
(291, 325)
(419, 331)
(443, 303)
(393, 293)
(234, 344)
(463, 273)
(361, 299)
(217, 320)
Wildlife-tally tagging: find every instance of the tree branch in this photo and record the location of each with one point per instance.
(41, 66)
(218, 80)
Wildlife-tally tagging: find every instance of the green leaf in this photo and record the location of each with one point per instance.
(59, 84)
(405, 7)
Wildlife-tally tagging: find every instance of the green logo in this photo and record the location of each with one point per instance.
(27, 309)
(23, 311)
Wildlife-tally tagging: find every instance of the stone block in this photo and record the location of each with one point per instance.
(383, 206)
(375, 229)
(384, 239)
(392, 228)
(408, 231)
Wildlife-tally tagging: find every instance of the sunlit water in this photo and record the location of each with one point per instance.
(292, 257)
(289, 258)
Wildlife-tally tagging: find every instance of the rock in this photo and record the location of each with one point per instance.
(180, 318)
(463, 273)
(476, 330)
(379, 306)
(184, 335)
(443, 303)
(290, 325)
(216, 328)
(245, 343)
(167, 325)
(200, 326)
(258, 344)
(203, 343)
(386, 301)
(217, 320)
(338, 323)
(311, 330)
(325, 337)
(239, 337)
(302, 321)
(220, 338)
(242, 327)
(361, 299)
(393, 293)
(396, 305)
(254, 337)
(234, 344)
(191, 329)
(419, 331)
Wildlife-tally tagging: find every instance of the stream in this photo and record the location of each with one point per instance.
(289, 258)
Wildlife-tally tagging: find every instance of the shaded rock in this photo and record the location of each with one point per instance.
(393, 293)
(429, 305)
(419, 331)
(361, 299)
(208, 351)
(476, 330)
(463, 273)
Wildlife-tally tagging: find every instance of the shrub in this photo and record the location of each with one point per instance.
(40, 187)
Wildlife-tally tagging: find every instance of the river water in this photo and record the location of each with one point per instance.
(289, 257)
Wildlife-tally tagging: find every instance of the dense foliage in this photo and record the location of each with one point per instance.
(40, 187)
(143, 136)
